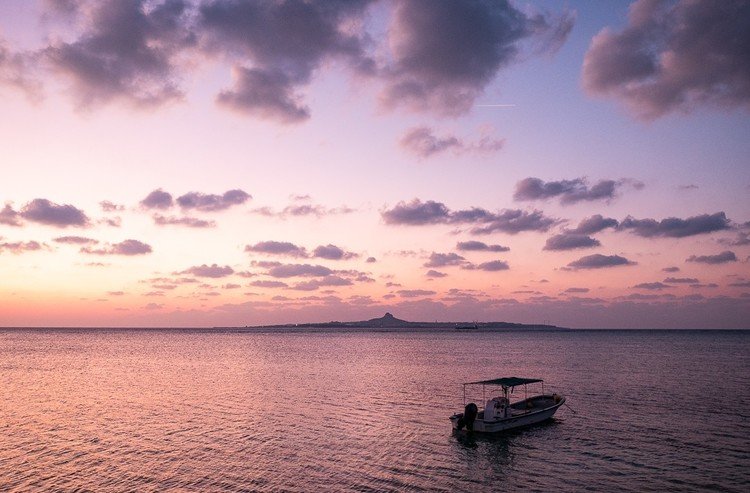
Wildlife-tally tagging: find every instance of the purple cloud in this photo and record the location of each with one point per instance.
(213, 271)
(569, 191)
(326, 281)
(577, 290)
(570, 241)
(422, 142)
(681, 280)
(299, 270)
(17, 247)
(108, 206)
(277, 248)
(126, 52)
(594, 224)
(513, 221)
(671, 269)
(415, 293)
(9, 217)
(190, 222)
(332, 252)
(76, 240)
(158, 199)
(435, 274)
(444, 259)
(674, 227)
(211, 202)
(371, 260)
(478, 246)
(127, 247)
(721, 258)
(491, 266)
(61, 216)
(417, 212)
(599, 261)
(269, 284)
(445, 53)
(673, 57)
(653, 286)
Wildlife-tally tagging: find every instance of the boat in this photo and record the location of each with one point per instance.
(499, 414)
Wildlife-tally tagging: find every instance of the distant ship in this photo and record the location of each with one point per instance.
(467, 326)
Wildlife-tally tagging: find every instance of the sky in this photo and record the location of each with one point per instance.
(227, 163)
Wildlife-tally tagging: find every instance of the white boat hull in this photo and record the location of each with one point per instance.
(519, 418)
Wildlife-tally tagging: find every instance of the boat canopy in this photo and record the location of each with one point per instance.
(506, 381)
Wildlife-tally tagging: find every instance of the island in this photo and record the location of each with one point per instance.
(388, 321)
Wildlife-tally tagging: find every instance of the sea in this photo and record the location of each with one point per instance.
(230, 410)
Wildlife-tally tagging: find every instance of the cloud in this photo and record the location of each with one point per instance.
(108, 206)
(598, 261)
(512, 221)
(211, 202)
(269, 284)
(325, 281)
(594, 224)
(76, 240)
(154, 306)
(653, 286)
(681, 280)
(301, 210)
(491, 266)
(740, 284)
(415, 293)
(9, 217)
(444, 259)
(742, 239)
(422, 142)
(127, 51)
(127, 247)
(478, 246)
(434, 274)
(671, 269)
(158, 199)
(277, 248)
(443, 54)
(299, 270)
(190, 222)
(570, 191)
(371, 260)
(577, 290)
(673, 57)
(213, 271)
(721, 258)
(570, 241)
(17, 71)
(332, 252)
(284, 42)
(20, 246)
(674, 227)
(61, 216)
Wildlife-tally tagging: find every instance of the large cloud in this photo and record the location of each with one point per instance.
(570, 191)
(599, 261)
(674, 56)
(127, 51)
(284, 42)
(509, 221)
(675, 227)
(719, 258)
(127, 247)
(570, 241)
(445, 53)
(45, 212)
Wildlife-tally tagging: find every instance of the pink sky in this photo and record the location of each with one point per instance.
(215, 163)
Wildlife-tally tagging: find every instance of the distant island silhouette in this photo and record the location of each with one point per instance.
(390, 322)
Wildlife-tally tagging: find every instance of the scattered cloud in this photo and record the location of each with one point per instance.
(9, 217)
(598, 261)
(211, 202)
(43, 211)
(332, 252)
(671, 269)
(422, 142)
(653, 286)
(434, 274)
(299, 270)
(190, 222)
(444, 259)
(570, 191)
(371, 260)
(108, 206)
(673, 57)
(127, 247)
(415, 293)
(158, 199)
(720, 258)
(594, 224)
(674, 227)
(681, 280)
(570, 241)
(20, 246)
(75, 240)
(213, 271)
(742, 239)
(269, 284)
(577, 290)
(277, 248)
(491, 266)
(478, 246)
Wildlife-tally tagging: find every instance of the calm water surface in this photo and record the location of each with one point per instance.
(130, 410)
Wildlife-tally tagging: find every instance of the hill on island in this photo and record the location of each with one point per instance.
(391, 322)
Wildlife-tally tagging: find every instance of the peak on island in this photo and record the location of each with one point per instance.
(388, 321)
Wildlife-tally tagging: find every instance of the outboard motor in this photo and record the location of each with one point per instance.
(470, 415)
